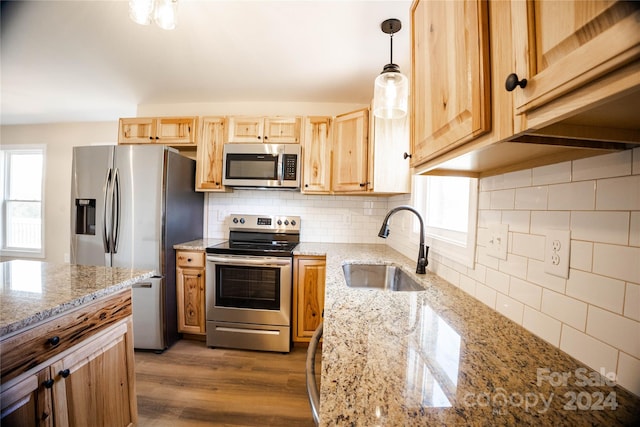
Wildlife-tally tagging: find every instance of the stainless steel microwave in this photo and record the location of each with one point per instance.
(262, 165)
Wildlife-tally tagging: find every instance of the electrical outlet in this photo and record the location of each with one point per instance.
(557, 253)
(497, 243)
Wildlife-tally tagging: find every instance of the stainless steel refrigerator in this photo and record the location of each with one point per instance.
(129, 205)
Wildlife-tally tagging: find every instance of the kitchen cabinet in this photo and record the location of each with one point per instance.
(209, 154)
(450, 69)
(80, 368)
(316, 152)
(349, 172)
(178, 131)
(273, 130)
(309, 274)
(190, 291)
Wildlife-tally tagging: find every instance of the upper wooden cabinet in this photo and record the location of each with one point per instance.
(161, 130)
(350, 151)
(450, 69)
(273, 130)
(209, 154)
(316, 146)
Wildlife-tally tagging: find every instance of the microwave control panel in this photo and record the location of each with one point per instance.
(290, 167)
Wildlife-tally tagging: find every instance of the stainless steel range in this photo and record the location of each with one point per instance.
(249, 284)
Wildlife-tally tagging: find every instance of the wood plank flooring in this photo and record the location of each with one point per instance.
(192, 385)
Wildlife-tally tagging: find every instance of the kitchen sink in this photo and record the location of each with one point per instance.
(379, 276)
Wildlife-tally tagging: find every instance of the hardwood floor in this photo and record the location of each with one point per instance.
(193, 385)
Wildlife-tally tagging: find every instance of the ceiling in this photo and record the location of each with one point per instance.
(69, 61)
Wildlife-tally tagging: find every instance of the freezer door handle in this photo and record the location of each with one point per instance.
(115, 231)
(105, 236)
(142, 285)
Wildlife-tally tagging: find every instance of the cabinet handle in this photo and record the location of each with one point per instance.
(54, 340)
(259, 137)
(266, 137)
(513, 82)
(188, 259)
(64, 373)
(157, 137)
(406, 155)
(199, 275)
(48, 383)
(364, 184)
(306, 186)
(151, 138)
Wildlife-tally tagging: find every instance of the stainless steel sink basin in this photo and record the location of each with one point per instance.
(379, 276)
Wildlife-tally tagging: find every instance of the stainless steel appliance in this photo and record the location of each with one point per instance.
(249, 284)
(129, 206)
(262, 165)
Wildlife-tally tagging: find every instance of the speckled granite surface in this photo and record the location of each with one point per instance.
(34, 291)
(440, 357)
(198, 245)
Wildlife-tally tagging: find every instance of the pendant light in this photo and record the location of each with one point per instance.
(163, 12)
(391, 88)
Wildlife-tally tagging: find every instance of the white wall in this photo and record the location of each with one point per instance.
(594, 315)
(59, 139)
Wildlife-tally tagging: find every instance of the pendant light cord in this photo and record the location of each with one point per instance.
(391, 49)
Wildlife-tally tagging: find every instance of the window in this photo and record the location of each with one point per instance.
(448, 205)
(22, 173)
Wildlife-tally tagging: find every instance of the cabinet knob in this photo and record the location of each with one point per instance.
(199, 275)
(151, 138)
(53, 341)
(188, 259)
(513, 82)
(157, 137)
(406, 155)
(48, 383)
(64, 373)
(364, 184)
(266, 137)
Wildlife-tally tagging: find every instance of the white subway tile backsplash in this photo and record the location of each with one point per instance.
(518, 221)
(592, 352)
(525, 292)
(566, 309)
(531, 198)
(542, 325)
(497, 280)
(635, 170)
(597, 290)
(486, 295)
(528, 245)
(572, 196)
(628, 375)
(541, 221)
(552, 174)
(478, 272)
(509, 307)
(517, 179)
(515, 265)
(484, 200)
(634, 229)
(537, 275)
(503, 199)
(620, 262)
(618, 193)
(581, 255)
(604, 227)
(632, 301)
(615, 330)
(607, 165)
(468, 285)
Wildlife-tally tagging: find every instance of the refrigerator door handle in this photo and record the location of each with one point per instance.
(116, 211)
(105, 235)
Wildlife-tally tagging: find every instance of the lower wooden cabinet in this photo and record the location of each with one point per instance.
(89, 383)
(190, 275)
(309, 273)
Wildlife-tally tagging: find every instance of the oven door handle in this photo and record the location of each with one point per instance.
(260, 262)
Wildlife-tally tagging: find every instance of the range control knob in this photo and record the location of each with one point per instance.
(286, 222)
(293, 222)
(241, 220)
(279, 222)
(235, 220)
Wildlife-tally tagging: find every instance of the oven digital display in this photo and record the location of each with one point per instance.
(264, 221)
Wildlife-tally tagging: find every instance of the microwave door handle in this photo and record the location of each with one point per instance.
(280, 168)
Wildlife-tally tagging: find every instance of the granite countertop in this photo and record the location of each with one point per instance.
(34, 291)
(440, 357)
(198, 245)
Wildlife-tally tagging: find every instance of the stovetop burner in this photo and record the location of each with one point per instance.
(260, 235)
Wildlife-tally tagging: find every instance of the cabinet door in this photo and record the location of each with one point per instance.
(570, 44)
(245, 129)
(95, 385)
(350, 151)
(191, 300)
(316, 174)
(282, 130)
(176, 130)
(138, 130)
(209, 155)
(450, 69)
(308, 296)
(28, 403)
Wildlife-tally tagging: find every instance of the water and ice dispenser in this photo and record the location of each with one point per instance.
(86, 216)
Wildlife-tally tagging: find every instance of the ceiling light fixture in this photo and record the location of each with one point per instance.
(163, 12)
(391, 88)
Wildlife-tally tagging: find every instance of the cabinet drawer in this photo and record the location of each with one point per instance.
(189, 259)
(34, 346)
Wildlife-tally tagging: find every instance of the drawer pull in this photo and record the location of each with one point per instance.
(54, 341)
(48, 383)
(189, 260)
(64, 373)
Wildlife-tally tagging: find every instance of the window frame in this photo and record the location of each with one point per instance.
(20, 252)
(437, 239)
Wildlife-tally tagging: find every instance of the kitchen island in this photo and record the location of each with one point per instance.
(66, 344)
(441, 357)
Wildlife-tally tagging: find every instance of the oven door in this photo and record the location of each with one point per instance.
(249, 289)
